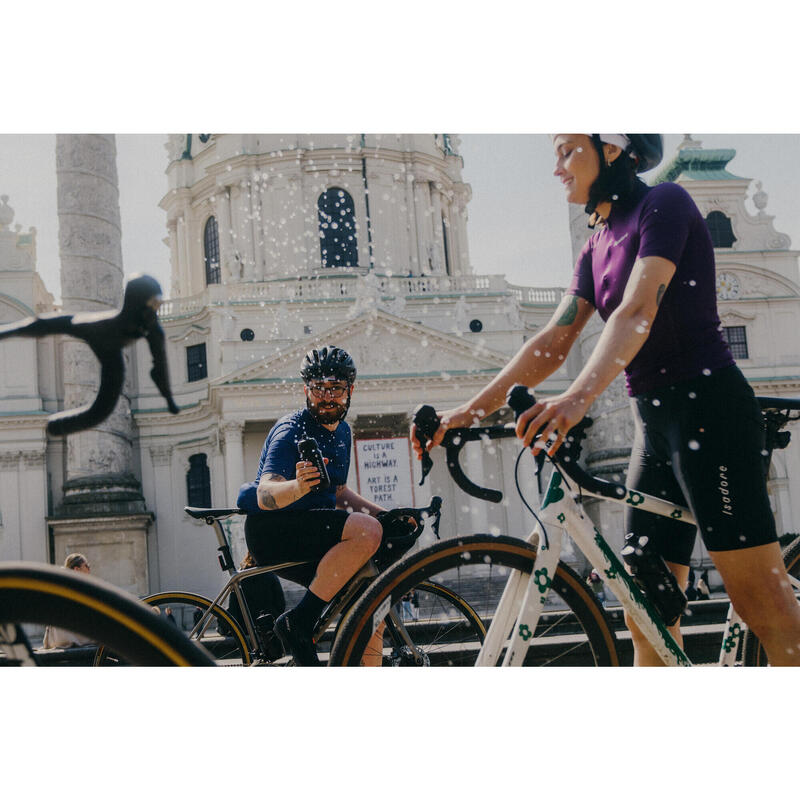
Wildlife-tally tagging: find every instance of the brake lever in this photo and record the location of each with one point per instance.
(426, 421)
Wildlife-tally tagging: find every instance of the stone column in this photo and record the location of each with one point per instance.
(438, 238)
(232, 432)
(422, 204)
(99, 488)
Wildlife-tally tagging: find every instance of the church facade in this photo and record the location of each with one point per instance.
(281, 243)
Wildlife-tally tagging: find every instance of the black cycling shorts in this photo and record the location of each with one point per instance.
(700, 443)
(276, 536)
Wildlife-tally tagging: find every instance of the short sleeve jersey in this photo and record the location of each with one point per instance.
(686, 337)
(279, 455)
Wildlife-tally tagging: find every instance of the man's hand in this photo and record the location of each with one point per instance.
(307, 476)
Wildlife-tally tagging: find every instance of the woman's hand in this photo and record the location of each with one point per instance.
(554, 418)
(455, 418)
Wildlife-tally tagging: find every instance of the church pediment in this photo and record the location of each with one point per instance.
(752, 283)
(383, 346)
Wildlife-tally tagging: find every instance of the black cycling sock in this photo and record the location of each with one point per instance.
(307, 611)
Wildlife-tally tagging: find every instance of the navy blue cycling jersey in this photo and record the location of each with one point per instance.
(279, 456)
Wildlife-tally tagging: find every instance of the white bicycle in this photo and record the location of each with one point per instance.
(541, 612)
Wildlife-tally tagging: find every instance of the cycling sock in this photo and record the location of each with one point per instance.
(307, 611)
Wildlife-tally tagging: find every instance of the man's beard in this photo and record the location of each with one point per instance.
(327, 413)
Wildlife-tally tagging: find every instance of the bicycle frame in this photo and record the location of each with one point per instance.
(340, 603)
(561, 514)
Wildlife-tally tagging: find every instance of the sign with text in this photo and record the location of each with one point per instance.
(384, 471)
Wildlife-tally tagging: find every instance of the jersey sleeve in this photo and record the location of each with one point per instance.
(582, 279)
(664, 225)
(281, 457)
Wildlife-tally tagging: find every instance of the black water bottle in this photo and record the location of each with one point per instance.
(309, 451)
(652, 575)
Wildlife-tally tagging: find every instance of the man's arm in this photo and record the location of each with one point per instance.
(274, 491)
(349, 500)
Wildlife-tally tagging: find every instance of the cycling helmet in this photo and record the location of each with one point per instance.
(328, 363)
(647, 148)
(617, 180)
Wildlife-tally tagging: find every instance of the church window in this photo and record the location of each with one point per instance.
(736, 336)
(719, 226)
(211, 251)
(198, 482)
(337, 229)
(196, 362)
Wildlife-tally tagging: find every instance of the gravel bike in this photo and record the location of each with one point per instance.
(446, 631)
(541, 612)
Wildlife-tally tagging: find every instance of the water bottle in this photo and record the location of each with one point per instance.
(652, 575)
(309, 451)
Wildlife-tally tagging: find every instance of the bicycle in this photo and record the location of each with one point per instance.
(447, 631)
(545, 614)
(37, 594)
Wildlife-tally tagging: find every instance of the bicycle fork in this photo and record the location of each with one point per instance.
(526, 593)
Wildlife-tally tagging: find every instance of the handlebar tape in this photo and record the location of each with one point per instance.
(426, 421)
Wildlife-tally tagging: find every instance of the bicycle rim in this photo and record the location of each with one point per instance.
(44, 595)
(572, 630)
(220, 635)
(443, 629)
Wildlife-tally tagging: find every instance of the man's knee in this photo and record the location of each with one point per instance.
(365, 530)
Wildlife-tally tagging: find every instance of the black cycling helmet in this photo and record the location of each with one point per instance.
(617, 181)
(327, 363)
(647, 148)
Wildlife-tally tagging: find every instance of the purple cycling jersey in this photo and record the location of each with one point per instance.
(686, 337)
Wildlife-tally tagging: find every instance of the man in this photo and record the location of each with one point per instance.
(335, 526)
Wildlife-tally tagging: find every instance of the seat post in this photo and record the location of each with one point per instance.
(225, 558)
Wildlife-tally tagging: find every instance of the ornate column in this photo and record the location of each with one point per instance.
(103, 509)
(165, 501)
(232, 432)
(438, 237)
(422, 203)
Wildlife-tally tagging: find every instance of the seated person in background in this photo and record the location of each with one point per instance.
(58, 637)
(335, 527)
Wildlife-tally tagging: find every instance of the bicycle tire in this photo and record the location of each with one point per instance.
(576, 634)
(228, 650)
(753, 654)
(42, 594)
(446, 631)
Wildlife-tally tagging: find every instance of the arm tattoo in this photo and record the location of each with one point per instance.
(264, 495)
(570, 312)
(660, 294)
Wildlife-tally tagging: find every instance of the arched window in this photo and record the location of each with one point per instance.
(211, 251)
(198, 482)
(337, 229)
(719, 226)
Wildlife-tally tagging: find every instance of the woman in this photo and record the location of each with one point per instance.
(58, 637)
(648, 269)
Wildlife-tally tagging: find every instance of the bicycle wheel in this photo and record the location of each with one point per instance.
(220, 635)
(572, 629)
(753, 654)
(445, 630)
(45, 595)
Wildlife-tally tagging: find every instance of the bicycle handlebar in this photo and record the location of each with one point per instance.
(777, 412)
